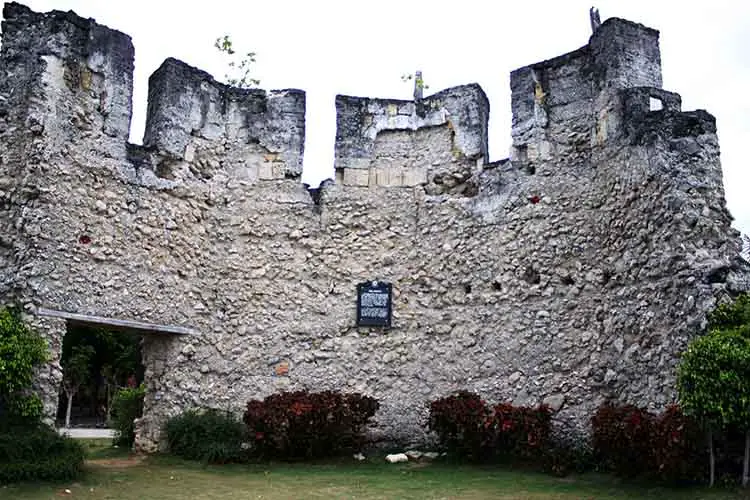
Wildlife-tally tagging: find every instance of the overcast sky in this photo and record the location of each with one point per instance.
(363, 47)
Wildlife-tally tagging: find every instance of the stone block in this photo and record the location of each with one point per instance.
(356, 177)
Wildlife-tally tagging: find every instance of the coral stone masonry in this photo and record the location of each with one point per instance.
(573, 272)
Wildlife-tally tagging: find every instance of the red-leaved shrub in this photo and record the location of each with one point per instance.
(623, 439)
(680, 452)
(630, 441)
(300, 425)
(463, 424)
(469, 429)
(520, 431)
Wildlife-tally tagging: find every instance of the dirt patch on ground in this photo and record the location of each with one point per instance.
(116, 463)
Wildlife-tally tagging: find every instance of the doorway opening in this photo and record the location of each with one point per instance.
(97, 362)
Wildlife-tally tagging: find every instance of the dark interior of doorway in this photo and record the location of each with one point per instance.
(113, 362)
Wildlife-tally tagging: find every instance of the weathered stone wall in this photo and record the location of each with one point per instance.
(573, 272)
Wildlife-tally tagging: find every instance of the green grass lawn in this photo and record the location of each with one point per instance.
(111, 474)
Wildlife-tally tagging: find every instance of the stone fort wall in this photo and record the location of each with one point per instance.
(573, 272)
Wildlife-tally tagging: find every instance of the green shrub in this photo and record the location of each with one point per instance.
(563, 458)
(211, 436)
(21, 350)
(127, 405)
(38, 453)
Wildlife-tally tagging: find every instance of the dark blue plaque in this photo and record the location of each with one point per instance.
(374, 303)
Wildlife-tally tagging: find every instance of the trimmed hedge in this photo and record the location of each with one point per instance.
(38, 453)
(468, 428)
(630, 441)
(211, 436)
(302, 425)
(462, 422)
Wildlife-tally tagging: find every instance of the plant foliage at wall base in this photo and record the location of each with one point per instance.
(210, 436)
(38, 453)
(127, 405)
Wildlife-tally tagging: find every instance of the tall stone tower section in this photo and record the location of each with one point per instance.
(65, 88)
(613, 150)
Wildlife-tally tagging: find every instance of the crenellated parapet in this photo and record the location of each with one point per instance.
(388, 142)
(186, 103)
(566, 105)
(72, 79)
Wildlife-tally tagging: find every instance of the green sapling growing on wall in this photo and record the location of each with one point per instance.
(238, 73)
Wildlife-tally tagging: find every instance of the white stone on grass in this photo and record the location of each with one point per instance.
(396, 458)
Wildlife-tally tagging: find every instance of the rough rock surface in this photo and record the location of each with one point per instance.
(573, 272)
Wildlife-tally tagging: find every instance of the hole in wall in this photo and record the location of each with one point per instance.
(531, 276)
(718, 275)
(497, 286)
(467, 287)
(165, 169)
(567, 280)
(655, 104)
(520, 153)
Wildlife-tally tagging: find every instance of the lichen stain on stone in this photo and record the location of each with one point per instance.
(86, 78)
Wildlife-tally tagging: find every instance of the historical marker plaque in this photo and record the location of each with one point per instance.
(374, 303)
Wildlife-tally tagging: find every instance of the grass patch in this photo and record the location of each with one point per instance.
(169, 478)
(102, 448)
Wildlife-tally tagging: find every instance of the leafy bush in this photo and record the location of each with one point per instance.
(21, 350)
(520, 431)
(462, 422)
(679, 448)
(127, 405)
(210, 436)
(469, 429)
(633, 442)
(37, 452)
(561, 459)
(297, 425)
(713, 379)
(622, 439)
(734, 315)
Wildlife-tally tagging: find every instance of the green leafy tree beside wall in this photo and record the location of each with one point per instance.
(713, 377)
(21, 351)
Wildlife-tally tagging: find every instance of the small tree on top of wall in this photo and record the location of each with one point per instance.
(714, 376)
(238, 65)
(21, 351)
